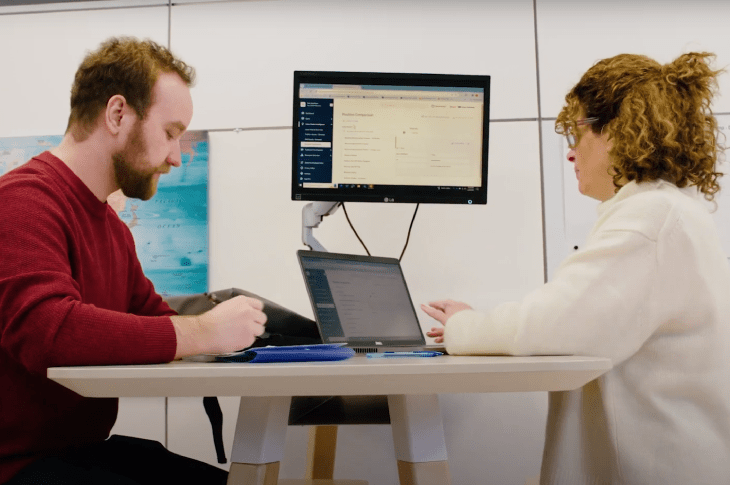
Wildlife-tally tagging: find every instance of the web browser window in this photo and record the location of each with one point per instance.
(390, 135)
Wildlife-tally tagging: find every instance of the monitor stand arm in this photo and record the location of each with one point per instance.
(312, 215)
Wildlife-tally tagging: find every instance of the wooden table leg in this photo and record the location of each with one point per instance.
(321, 452)
(418, 435)
(258, 445)
(266, 474)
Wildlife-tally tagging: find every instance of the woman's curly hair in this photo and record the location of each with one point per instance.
(658, 117)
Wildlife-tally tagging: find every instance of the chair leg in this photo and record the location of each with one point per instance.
(321, 452)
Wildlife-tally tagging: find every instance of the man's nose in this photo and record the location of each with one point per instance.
(175, 157)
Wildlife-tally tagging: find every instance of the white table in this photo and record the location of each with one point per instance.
(411, 384)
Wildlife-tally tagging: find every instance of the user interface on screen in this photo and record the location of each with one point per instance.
(360, 299)
(390, 138)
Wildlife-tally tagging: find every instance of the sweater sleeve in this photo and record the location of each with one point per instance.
(597, 304)
(64, 298)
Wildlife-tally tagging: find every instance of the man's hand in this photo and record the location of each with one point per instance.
(442, 310)
(231, 325)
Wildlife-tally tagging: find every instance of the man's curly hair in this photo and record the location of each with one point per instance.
(121, 65)
(658, 116)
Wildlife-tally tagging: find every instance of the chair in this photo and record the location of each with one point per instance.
(324, 414)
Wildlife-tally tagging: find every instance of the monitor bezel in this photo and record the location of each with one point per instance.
(392, 194)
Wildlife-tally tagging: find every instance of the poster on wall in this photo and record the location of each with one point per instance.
(171, 229)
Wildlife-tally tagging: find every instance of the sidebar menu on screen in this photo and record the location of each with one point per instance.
(315, 141)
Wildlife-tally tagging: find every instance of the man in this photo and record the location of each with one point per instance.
(72, 291)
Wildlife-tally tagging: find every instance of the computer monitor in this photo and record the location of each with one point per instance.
(390, 137)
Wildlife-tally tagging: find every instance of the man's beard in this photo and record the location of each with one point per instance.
(135, 183)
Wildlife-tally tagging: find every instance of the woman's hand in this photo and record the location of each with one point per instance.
(442, 310)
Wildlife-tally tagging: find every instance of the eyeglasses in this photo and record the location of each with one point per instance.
(572, 140)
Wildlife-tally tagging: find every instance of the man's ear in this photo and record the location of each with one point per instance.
(117, 114)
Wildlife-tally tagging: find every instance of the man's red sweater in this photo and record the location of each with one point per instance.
(72, 292)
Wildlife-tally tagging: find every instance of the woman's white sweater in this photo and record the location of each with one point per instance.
(651, 291)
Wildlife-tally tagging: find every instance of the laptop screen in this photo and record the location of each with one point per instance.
(360, 300)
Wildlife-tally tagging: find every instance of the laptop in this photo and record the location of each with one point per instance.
(362, 302)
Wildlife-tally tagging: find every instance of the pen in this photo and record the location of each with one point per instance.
(415, 353)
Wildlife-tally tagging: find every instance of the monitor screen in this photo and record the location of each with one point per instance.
(386, 137)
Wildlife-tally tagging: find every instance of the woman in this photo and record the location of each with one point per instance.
(650, 289)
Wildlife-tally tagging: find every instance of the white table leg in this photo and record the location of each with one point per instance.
(258, 445)
(418, 435)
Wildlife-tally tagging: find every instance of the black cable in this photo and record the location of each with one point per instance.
(353, 228)
(409, 232)
(215, 415)
(408, 237)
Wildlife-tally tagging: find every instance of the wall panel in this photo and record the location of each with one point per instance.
(9, 7)
(42, 52)
(245, 52)
(573, 35)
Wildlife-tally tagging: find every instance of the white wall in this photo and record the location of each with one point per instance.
(245, 52)
(572, 35)
(248, 82)
(40, 54)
